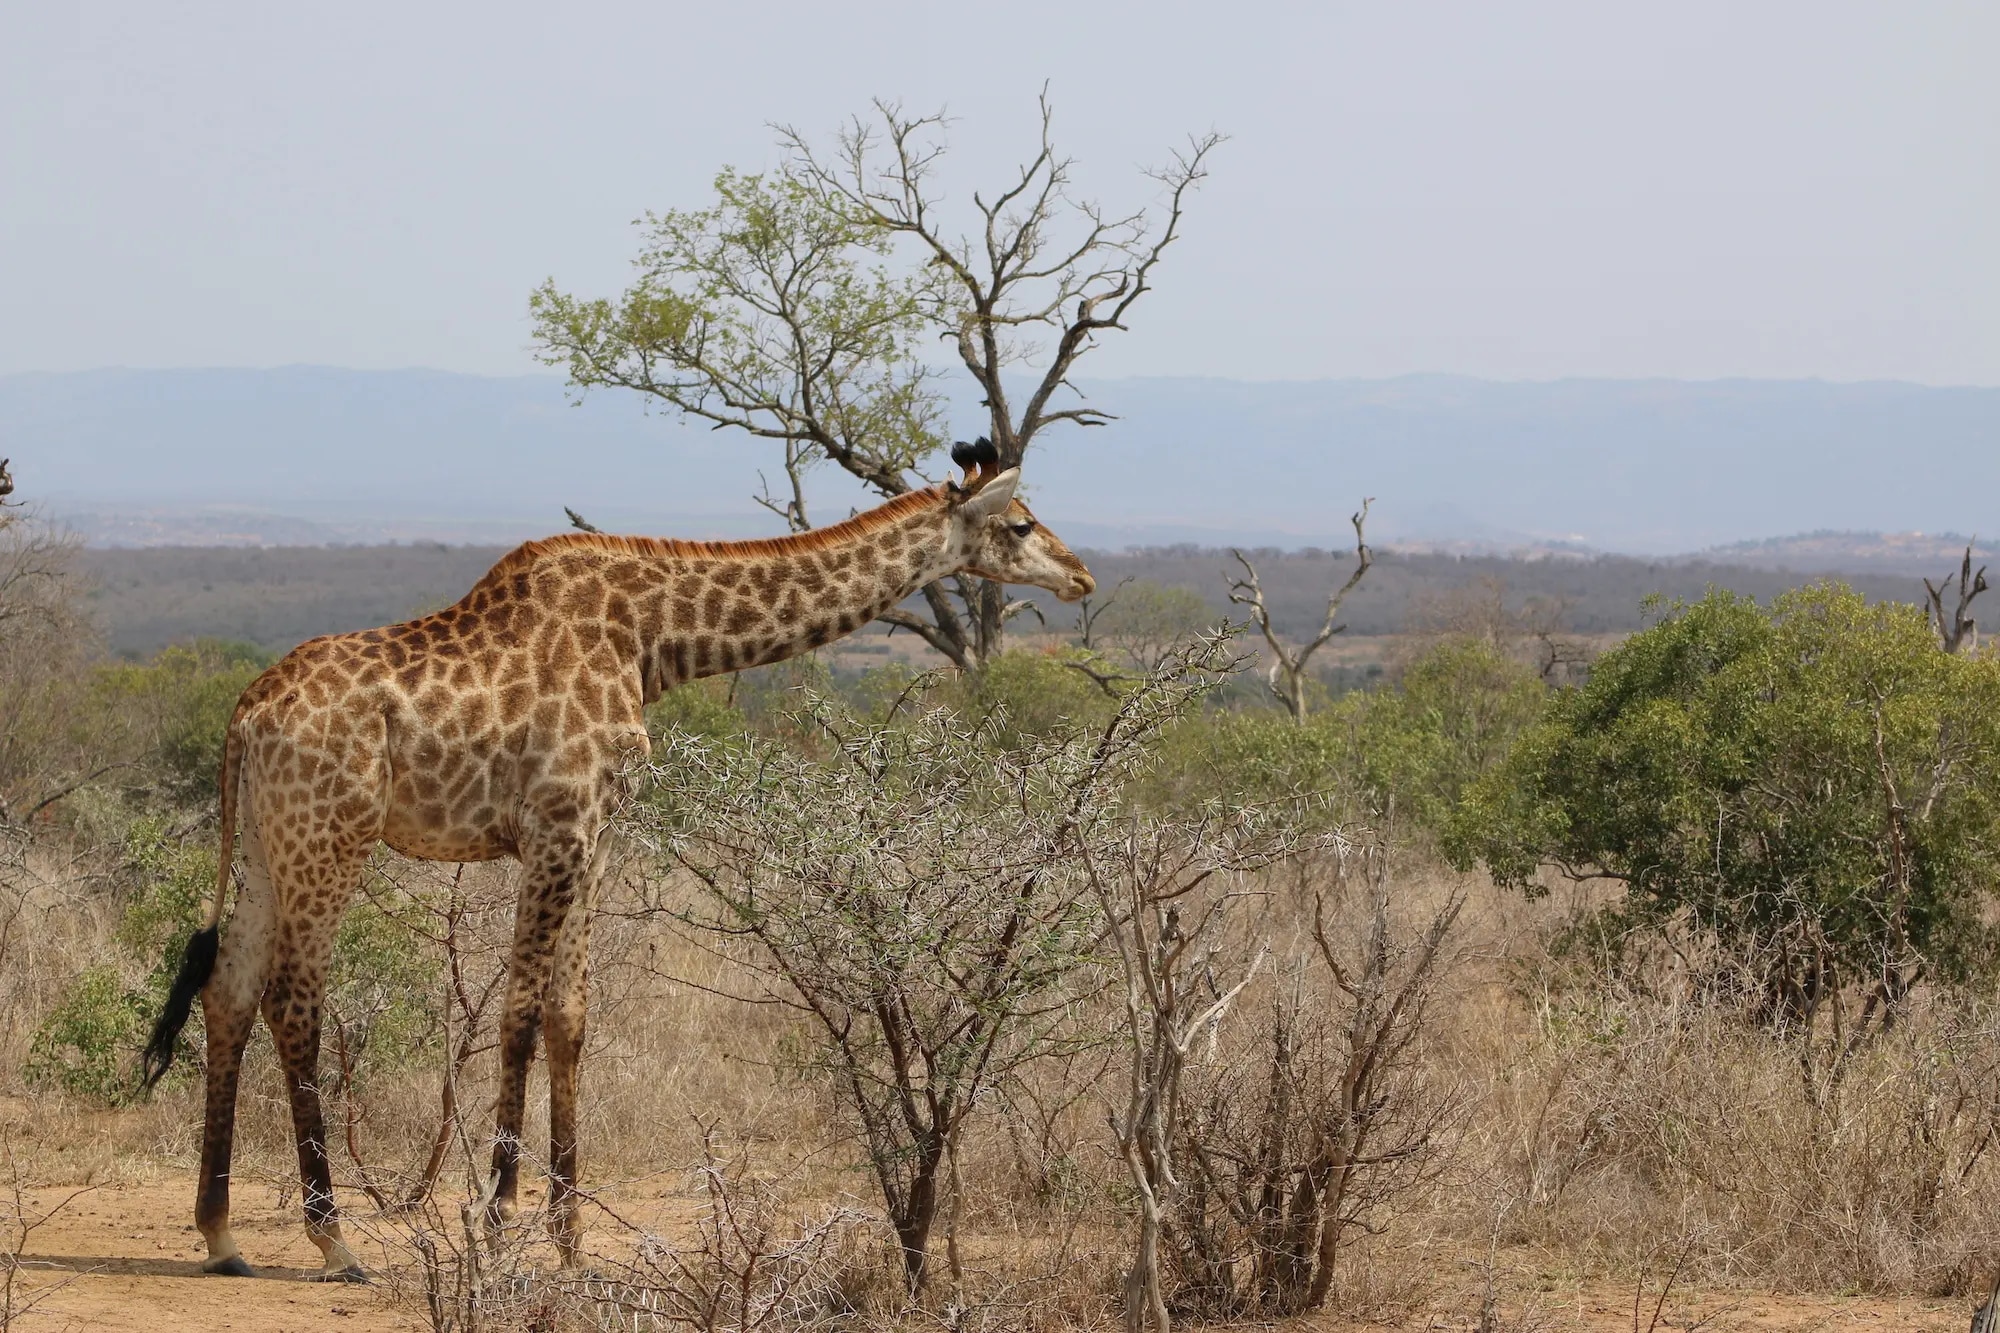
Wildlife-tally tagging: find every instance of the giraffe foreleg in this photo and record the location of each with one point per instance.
(566, 1007)
(228, 1027)
(554, 870)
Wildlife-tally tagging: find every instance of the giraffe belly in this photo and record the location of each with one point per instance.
(428, 844)
(448, 808)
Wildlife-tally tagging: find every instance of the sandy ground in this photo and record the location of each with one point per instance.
(1603, 1307)
(126, 1257)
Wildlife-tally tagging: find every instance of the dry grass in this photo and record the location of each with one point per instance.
(1610, 1131)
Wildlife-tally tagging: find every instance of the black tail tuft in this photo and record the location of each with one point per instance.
(196, 964)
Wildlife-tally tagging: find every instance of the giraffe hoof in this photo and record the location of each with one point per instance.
(232, 1266)
(352, 1273)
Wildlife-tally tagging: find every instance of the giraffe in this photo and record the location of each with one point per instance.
(502, 726)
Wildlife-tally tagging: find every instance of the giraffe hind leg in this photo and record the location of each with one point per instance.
(294, 998)
(228, 1022)
(229, 1009)
(292, 1007)
(228, 1033)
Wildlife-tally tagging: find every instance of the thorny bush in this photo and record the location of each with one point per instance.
(917, 892)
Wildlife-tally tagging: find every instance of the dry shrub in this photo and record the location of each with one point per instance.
(51, 741)
(61, 909)
(1643, 1110)
(1611, 1118)
(1320, 1112)
(19, 1220)
(750, 1255)
(922, 895)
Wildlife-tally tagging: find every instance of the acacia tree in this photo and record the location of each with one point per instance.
(920, 894)
(799, 308)
(1143, 620)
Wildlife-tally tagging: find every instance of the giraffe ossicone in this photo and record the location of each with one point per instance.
(498, 727)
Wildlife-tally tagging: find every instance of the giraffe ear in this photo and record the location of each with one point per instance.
(993, 497)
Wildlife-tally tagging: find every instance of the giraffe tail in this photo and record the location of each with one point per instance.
(198, 960)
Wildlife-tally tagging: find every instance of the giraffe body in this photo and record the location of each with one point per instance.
(502, 726)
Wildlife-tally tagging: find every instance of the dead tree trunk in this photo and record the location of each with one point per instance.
(1287, 672)
(1959, 630)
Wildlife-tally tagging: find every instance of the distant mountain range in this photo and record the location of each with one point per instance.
(315, 455)
(1929, 553)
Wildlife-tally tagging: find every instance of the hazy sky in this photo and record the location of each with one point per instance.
(1516, 190)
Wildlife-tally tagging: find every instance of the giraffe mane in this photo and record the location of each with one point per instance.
(815, 539)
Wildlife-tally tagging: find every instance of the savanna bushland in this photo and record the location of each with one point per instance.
(1092, 986)
(1140, 969)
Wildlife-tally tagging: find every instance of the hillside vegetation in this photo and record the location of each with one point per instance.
(276, 597)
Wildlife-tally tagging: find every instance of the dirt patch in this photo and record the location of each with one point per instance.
(127, 1257)
(1602, 1307)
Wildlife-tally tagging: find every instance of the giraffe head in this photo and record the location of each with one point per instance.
(994, 536)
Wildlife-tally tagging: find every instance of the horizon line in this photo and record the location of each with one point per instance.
(1164, 377)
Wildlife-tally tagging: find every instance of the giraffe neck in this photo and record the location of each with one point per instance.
(725, 606)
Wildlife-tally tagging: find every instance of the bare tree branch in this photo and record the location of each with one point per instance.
(1039, 259)
(1108, 681)
(1090, 608)
(1287, 672)
(1955, 632)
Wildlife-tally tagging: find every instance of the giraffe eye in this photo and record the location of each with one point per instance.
(1024, 527)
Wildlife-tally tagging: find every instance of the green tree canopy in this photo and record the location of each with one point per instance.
(1403, 754)
(1813, 779)
(1454, 716)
